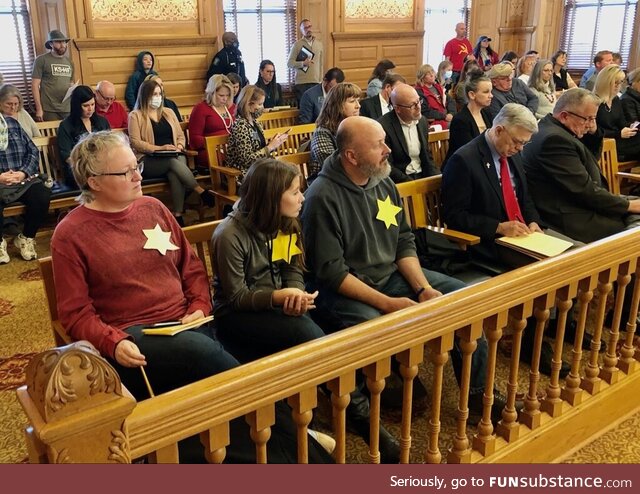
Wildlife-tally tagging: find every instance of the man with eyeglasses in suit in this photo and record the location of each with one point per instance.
(564, 178)
(406, 132)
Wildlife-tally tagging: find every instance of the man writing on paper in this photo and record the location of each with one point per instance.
(484, 192)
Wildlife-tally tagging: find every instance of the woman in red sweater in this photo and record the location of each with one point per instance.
(211, 117)
(433, 98)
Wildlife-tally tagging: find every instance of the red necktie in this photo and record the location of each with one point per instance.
(508, 194)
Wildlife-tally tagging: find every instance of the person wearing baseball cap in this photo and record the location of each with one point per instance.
(485, 56)
(52, 76)
(506, 89)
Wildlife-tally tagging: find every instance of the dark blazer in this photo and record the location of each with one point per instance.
(463, 129)
(631, 105)
(472, 198)
(370, 107)
(567, 187)
(399, 157)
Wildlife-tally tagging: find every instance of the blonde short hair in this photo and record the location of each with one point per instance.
(424, 70)
(88, 156)
(216, 82)
(605, 78)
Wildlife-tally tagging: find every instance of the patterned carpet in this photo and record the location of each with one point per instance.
(25, 330)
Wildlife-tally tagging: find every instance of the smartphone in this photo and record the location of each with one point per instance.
(635, 124)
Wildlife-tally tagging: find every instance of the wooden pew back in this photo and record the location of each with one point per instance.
(439, 146)
(298, 136)
(281, 118)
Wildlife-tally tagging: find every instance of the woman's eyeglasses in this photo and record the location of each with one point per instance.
(128, 175)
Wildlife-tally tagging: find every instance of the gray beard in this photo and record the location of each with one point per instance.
(372, 171)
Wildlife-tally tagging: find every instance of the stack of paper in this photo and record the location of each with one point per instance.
(536, 245)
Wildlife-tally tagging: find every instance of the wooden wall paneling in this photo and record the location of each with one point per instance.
(547, 15)
(358, 53)
(486, 17)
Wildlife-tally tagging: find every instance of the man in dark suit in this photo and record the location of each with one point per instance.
(312, 99)
(380, 104)
(564, 177)
(406, 135)
(484, 192)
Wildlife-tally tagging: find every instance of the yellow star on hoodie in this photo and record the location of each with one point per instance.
(387, 212)
(284, 247)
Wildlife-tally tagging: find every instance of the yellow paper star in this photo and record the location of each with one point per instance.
(157, 239)
(387, 212)
(284, 247)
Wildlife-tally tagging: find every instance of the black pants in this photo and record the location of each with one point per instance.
(36, 199)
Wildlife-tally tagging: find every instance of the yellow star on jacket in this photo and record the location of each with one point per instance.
(284, 247)
(159, 240)
(387, 212)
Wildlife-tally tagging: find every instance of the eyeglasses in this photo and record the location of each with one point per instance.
(104, 97)
(412, 106)
(517, 142)
(584, 119)
(128, 175)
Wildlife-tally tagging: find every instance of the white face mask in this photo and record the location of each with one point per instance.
(448, 74)
(156, 101)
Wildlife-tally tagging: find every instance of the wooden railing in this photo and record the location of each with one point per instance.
(96, 421)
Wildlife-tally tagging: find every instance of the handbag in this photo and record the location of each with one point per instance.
(12, 193)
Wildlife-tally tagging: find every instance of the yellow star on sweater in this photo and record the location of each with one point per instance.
(387, 212)
(157, 239)
(284, 247)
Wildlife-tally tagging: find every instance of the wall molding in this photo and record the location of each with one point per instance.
(89, 44)
(369, 35)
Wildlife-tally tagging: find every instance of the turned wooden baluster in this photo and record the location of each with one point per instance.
(591, 382)
(166, 455)
(260, 422)
(438, 354)
(571, 392)
(409, 360)
(340, 388)
(215, 441)
(610, 371)
(507, 427)
(530, 416)
(628, 362)
(376, 374)
(552, 404)
(302, 405)
(467, 340)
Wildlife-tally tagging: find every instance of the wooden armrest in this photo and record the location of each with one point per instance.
(60, 333)
(226, 171)
(462, 239)
(190, 152)
(635, 177)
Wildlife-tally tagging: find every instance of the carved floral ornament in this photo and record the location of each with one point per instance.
(144, 10)
(378, 9)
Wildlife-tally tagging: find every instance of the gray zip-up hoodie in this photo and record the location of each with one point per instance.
(342, 234)
(245, 276)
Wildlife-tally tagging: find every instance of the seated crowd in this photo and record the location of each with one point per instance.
(523, 157)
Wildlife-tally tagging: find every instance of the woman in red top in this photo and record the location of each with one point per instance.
(432, 97)
(211, 117)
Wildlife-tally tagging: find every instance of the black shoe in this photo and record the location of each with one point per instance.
(546, 355)
(499, 402)
(180, 220)
(358, 423)
(207, 198)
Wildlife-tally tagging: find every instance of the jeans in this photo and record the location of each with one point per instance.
(252, 335)
(174, 361)
(338, 312)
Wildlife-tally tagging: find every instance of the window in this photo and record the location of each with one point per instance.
(594, 25)
(17, 54)
(266, 29)
(440, 19)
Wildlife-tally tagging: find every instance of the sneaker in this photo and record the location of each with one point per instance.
(4, 257)
(27, 247)
(325, 440)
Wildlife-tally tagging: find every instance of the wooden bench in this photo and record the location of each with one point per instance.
(199, 236)
(611, 167)
(224, 177)
(423, 208)
(438, 146)
(280, 118)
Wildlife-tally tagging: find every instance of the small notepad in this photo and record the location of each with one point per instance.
(178, 328)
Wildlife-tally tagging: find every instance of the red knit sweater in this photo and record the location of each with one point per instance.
(106, 282)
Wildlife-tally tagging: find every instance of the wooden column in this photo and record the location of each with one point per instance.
(302, 405)
(376, 374)
(628, 363)
(409, 360)
(260, 422)
(438, 354)
(340, 388)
